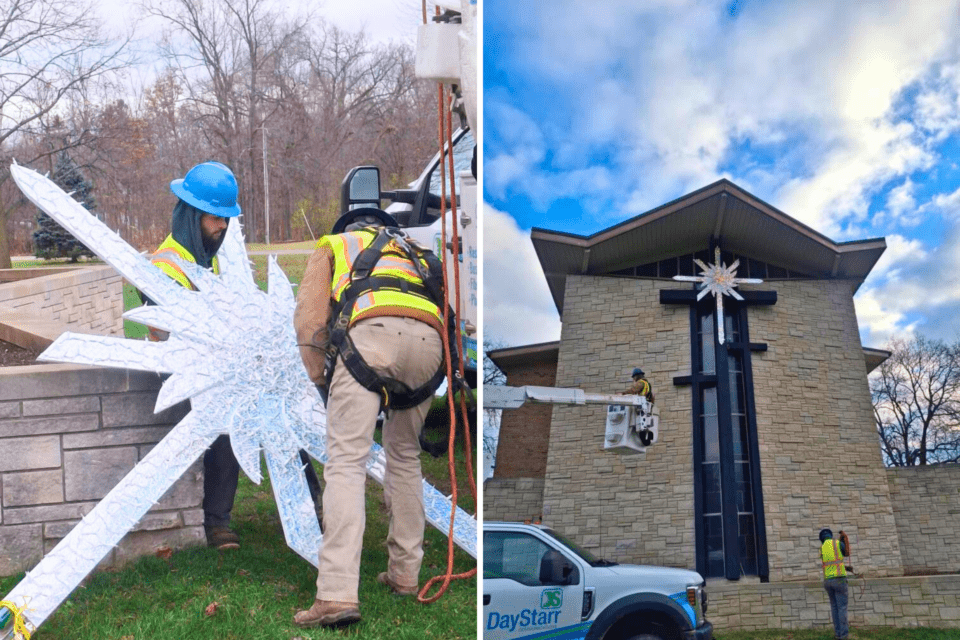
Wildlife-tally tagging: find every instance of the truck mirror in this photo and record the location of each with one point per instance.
(557, 569)
(361, 188)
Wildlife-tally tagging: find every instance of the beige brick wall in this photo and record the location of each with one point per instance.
(931, 601)
(624, 508)
(513, 499)
(819, 453)
(926, 503)
(87, 300)
(811, 381)
(69, 434)
(527, 429)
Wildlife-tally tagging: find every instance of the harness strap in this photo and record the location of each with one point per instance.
(393, 393)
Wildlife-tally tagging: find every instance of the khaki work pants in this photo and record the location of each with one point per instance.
(409, 351)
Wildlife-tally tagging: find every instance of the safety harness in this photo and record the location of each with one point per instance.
(393, 393)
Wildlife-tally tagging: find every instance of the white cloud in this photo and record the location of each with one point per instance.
(517, 306)
(677, 89)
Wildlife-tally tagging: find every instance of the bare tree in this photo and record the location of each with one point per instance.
(491, 417)
(916, 402)
(48, 50)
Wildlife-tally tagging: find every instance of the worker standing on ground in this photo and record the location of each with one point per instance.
(640, 386)
(832, 553)
(207, 199)
(368, 322)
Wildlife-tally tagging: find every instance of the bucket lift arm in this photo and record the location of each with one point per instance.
(632, 422)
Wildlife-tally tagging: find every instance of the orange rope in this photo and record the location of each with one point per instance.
(448, 576)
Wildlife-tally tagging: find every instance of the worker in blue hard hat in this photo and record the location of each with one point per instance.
(640, 386)
(832, 554)
(206, 201)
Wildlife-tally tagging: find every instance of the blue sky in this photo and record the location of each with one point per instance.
(844, 115)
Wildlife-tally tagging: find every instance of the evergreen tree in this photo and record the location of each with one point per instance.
(50, 240)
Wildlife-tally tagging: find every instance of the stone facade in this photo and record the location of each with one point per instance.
(819, 454)
(809, 382)
(35, 310)
(929, 601)
(69, 434)
(513, 499)
(527, 429)
(636, 509)
(926, 504)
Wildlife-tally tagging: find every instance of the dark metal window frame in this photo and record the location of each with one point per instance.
(697, 381)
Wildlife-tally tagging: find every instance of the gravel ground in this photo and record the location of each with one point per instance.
(11, 355)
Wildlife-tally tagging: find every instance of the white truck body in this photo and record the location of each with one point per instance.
(538, 585)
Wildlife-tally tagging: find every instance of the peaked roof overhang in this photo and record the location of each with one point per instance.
(745, 224)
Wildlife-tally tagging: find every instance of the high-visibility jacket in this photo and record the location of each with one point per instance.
(393, 263)
(832, 559)
(162, 258)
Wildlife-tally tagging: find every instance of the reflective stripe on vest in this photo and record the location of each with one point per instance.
(832, 560)
(163, 259)
(393, 263)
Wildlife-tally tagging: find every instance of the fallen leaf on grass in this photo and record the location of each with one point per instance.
(164, 552)
(127, 638)
(243, 572)
(211, 608)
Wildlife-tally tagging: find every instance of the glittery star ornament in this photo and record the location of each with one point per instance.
(720, 280)
(232, 352)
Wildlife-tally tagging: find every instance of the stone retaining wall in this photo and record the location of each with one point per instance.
(927, 601)
(86, 300)
(926, 503)
(513, 499)
(68, 434)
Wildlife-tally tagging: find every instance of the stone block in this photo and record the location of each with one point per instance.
(21, 454)
(90, 474)
(156, 521)
(32, 487)
(114, 437)
(74, 511)
(136, 409)
(9, 410)
(57, 406)
(185, 492)
(59, 424)
(141, 543)
(57, 530)
(21, 548)
(58, 380)
(193, 517)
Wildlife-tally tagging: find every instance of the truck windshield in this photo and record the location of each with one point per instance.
(593, 560)
(462, 155)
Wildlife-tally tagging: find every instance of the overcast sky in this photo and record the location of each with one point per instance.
(844, 115)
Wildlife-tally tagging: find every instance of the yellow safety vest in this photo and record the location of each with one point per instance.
(162, 258)
(832, 560)
(393, 263)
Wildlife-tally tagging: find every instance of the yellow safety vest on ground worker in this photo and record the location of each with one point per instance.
(393, 263)
(162, 258)
(832, 560)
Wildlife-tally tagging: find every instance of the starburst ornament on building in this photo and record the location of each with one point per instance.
(720, 280)
(232, 352)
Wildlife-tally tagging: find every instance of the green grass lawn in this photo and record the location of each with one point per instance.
(259, 587)
(875, 633)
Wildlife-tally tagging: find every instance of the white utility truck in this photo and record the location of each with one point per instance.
(539, 585)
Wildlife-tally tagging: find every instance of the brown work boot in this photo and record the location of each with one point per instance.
(398, 589)
(222, 538)
(327, 613)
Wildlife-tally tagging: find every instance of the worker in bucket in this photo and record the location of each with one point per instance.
(640, 386)
(206, 201)
(832, 553)
(368, 322)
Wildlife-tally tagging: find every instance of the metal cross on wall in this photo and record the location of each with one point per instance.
(720, 280)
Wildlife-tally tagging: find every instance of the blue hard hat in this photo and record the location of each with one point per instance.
(370, 213)
(825, 534)
(637, 372)
(210, 187)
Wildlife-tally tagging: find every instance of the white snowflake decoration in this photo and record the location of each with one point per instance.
(232, 352)
(720, 280)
